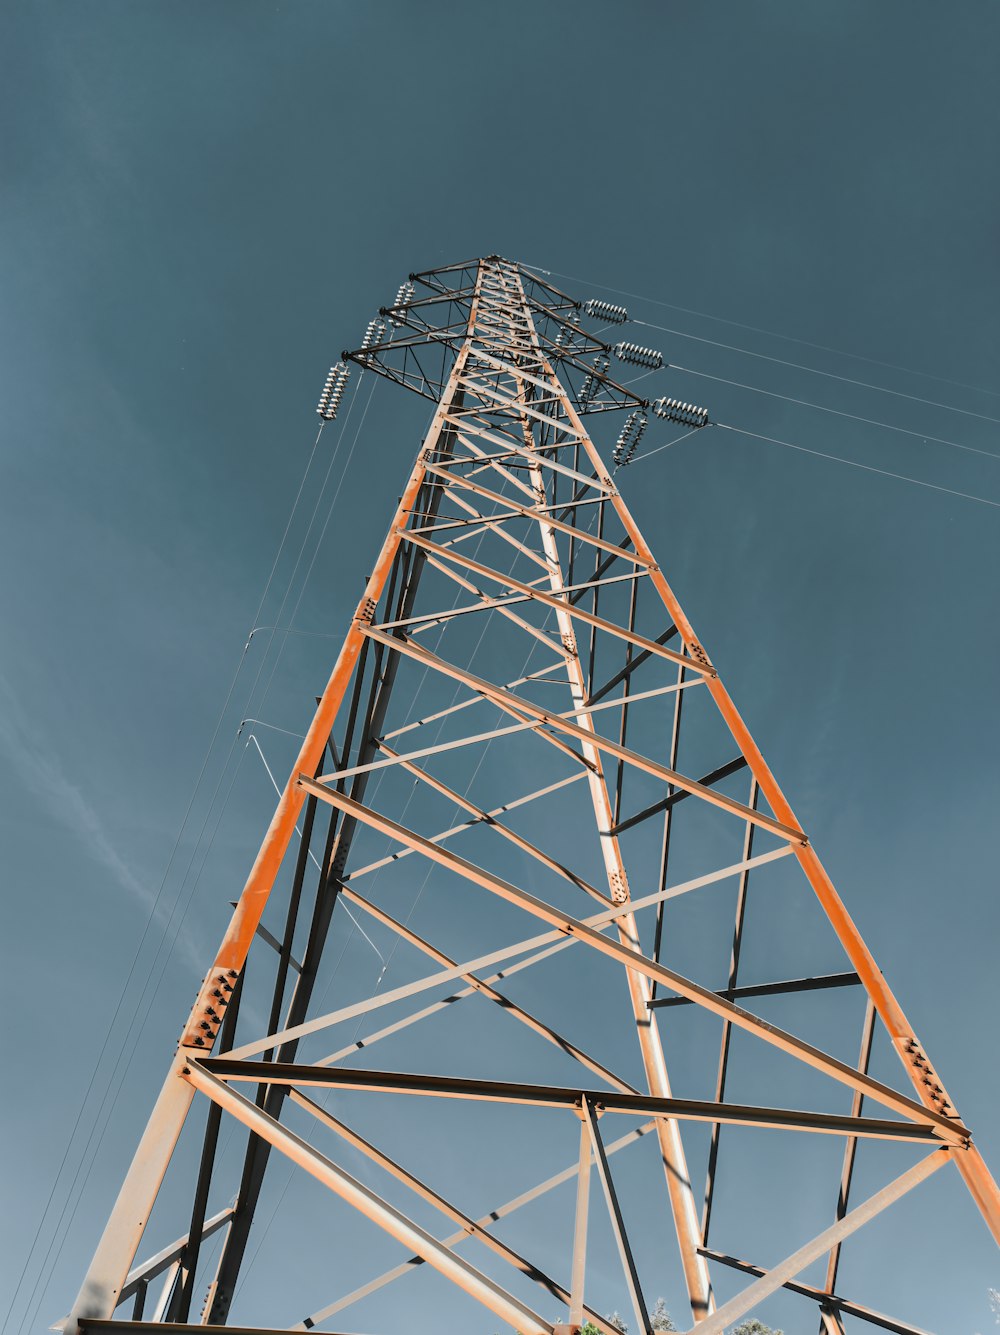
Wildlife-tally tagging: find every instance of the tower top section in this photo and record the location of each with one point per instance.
(414, 342)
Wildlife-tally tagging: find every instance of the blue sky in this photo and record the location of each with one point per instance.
(204, 204)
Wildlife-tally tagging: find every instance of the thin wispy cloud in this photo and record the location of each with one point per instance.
(43, 775)
(32, 760)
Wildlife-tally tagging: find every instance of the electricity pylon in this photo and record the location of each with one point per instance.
(573, 781)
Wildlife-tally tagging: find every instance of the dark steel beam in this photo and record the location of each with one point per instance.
(105, 1327)
(675, 735)
(671, 800)
(821, 981)
(636, 662)
(533, 277)
(617, 1222)
(272, 941)
(832, 1301)
(727, 1029)
(557, 1096)
(592, 650)
(851, 1147)
(633, 604)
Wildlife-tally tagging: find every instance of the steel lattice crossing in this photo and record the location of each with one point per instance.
(564, 707)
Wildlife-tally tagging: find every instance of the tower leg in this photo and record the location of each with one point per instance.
(98, 1296)
(116, 1250)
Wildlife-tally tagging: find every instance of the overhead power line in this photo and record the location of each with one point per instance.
(820, 454)
(853, 463)
(813, 370)
(770, 333)
(837, 412)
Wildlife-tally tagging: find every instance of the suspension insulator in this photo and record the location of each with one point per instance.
(603, 310)
(675, 411)
(592, 384)
(628, 438)
(373, 334)
(333, 391)
(403, 298)
(568, 330)
(631, 352)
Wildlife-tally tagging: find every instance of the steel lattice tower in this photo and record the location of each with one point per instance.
(511, 527)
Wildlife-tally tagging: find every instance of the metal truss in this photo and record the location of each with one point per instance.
(566, 723)
(434, 324)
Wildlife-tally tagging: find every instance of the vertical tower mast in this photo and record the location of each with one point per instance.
(559, 570)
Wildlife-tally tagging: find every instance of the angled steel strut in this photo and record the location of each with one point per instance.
(561, 728)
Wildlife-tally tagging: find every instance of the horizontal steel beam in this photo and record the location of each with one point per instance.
(103, 1326)
(557, 1096)
(448, 522)
(503, 600)
(821, 981)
